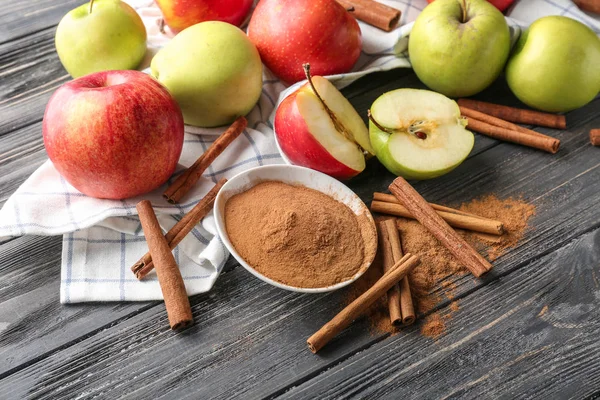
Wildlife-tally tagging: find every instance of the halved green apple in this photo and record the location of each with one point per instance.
(418, 134)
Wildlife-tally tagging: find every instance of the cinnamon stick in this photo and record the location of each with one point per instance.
(595, 137)
(541, 142)
(389, 242)
(456, 220)
(427, 216)
(373, 13)
(184, 226)
(359, 306)
(169, 276)
(407, 308)
(517, 115)
(182, 185)
(489, 119)
(592, 6)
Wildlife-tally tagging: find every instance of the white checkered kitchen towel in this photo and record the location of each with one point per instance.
(103, 238)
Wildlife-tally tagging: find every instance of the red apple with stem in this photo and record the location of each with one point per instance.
(113, 134)
(289, 33)
(180, 14)
(317, 127)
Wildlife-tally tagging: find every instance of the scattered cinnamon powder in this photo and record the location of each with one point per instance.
(514, 214)
(438, 266)
(433, 326)
(295, 235)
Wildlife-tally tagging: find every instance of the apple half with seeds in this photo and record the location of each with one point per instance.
(418, 134)
(317, 127)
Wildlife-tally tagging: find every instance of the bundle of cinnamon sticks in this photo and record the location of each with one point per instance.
(406, 202)
(499, 122)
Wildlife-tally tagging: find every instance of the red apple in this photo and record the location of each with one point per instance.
(501, 5)
(180, 14)
(113, 134)
(323, 132)
(289, 33)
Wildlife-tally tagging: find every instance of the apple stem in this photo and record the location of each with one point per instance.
(336, 122)
(161, 26)
(413, 130)
(91, 5)
(464, 11)
(350, 9)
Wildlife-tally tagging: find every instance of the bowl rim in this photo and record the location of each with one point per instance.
(220, 225)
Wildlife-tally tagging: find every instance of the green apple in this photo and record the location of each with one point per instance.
(418, 134)
(214, 72)
(555, 65)
(459, 47)
(98, 36)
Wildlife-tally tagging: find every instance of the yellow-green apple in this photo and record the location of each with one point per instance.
(555, 65)
(214, 72)
(459, 47)
(101, 35)
(113, 134)
(418, 134)
(181, 14)
(289, 33)
(317, 127)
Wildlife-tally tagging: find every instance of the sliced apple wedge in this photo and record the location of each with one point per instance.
(418, 134)
(322, 130)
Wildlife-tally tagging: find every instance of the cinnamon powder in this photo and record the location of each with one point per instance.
(295, 235)
(438, 267)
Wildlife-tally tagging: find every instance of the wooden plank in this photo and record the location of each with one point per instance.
(250, 344)
(32, 320)
(531, 334)
(24, 17)
(30, 105)
(21, 153)
(503, 159)
(30, 72)
(243, 321)
(246, 330)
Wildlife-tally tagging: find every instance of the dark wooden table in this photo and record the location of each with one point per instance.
(530, 328)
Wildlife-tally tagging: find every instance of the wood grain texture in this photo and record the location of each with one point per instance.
(249, 338)
(22, 18)
(30, 72)
(33, 323)
(531, 334)
(21, 153)
(273, 325)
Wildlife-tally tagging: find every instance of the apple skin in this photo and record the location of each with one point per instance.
(214, 72)
(113, 134)
(300, 146)
(287, 36)
(112, 37)
(459, 59)
(499, 4)
(555, 65)
(181, 14)
(385, 157)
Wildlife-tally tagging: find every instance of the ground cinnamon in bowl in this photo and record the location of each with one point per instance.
(294, 235)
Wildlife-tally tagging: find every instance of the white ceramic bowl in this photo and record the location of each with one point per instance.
(295, 175)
